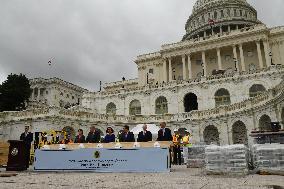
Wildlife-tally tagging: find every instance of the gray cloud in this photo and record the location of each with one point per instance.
(94, 40)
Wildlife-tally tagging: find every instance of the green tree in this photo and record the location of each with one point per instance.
(14, 93)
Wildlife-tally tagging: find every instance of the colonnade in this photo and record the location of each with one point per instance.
(239, 59)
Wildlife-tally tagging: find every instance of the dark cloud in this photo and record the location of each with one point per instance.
(94, 40)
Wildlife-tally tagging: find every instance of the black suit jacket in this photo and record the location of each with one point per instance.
(93, 137)
(144, 138)
(27, 139)
(167, 136)
(128, 138)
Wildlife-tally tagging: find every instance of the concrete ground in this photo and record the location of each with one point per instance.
(180, 178)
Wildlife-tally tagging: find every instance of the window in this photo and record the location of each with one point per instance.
(228, 57)
(256, 90)
(222, 14)
(250, 54)
(161, 105)
(111, 108)
(151, 71)
(222, 97)
(135, 107)
(241, 13)
(235, 13)
(72, 97)
(212, 60)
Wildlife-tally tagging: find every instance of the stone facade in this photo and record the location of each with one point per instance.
(223, 80)
(55, 92)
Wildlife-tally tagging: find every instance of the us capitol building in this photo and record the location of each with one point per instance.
(223, 80)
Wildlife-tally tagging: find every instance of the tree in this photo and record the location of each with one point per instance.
(14, 93)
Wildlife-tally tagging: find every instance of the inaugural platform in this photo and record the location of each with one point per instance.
(113, 157)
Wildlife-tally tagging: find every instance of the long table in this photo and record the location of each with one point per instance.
(146, 158)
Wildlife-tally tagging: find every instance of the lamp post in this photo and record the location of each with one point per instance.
(236, 63)
(100, 86)
(270, 55)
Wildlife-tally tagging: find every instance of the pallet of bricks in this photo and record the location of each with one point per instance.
(195, 156)
(226, 160)
(4, 151)
(269, 158)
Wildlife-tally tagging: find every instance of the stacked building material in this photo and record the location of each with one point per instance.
(195, 156)
(268, 157)
(231, 159)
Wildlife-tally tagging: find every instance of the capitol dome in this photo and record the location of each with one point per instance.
(216, 16)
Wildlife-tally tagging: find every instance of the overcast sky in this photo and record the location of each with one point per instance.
(93, 40)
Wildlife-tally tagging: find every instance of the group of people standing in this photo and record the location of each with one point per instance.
(125, 136)
(94, 136)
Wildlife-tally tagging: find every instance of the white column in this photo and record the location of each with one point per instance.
(165, 71)
(183, 68)
(220, 66)
(170, 70)
(267, 51)
(204, 63)
(242, 57)
(205, 34)
(236, 57)
(229, 28)
(259, 54)
(189, 67)
(221, 30)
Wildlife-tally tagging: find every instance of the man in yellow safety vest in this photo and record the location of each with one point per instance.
(176, 147)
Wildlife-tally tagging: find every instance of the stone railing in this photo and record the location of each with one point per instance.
(175, 83)
(248, 104)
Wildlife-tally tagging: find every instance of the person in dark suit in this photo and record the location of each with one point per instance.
(80, 138)
(27, 137)
(164, 133)
(127, 136)
(110, 137)
(144, 136)
(94, 135)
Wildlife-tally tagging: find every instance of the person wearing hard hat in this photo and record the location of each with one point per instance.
(186, 143)
(176, 148)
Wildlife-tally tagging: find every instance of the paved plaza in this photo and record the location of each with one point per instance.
(180, 177)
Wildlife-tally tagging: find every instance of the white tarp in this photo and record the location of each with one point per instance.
(150, 127)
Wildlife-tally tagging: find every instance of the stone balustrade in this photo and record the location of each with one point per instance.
(249, 104)
(203, 80)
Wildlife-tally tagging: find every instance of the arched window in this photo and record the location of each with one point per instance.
(190, 102)
(256, 90)
(111, 108)
(222, 98)
(135, 107)
(211, 135)
(161, 105)
(265, 123)
(239, 132)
